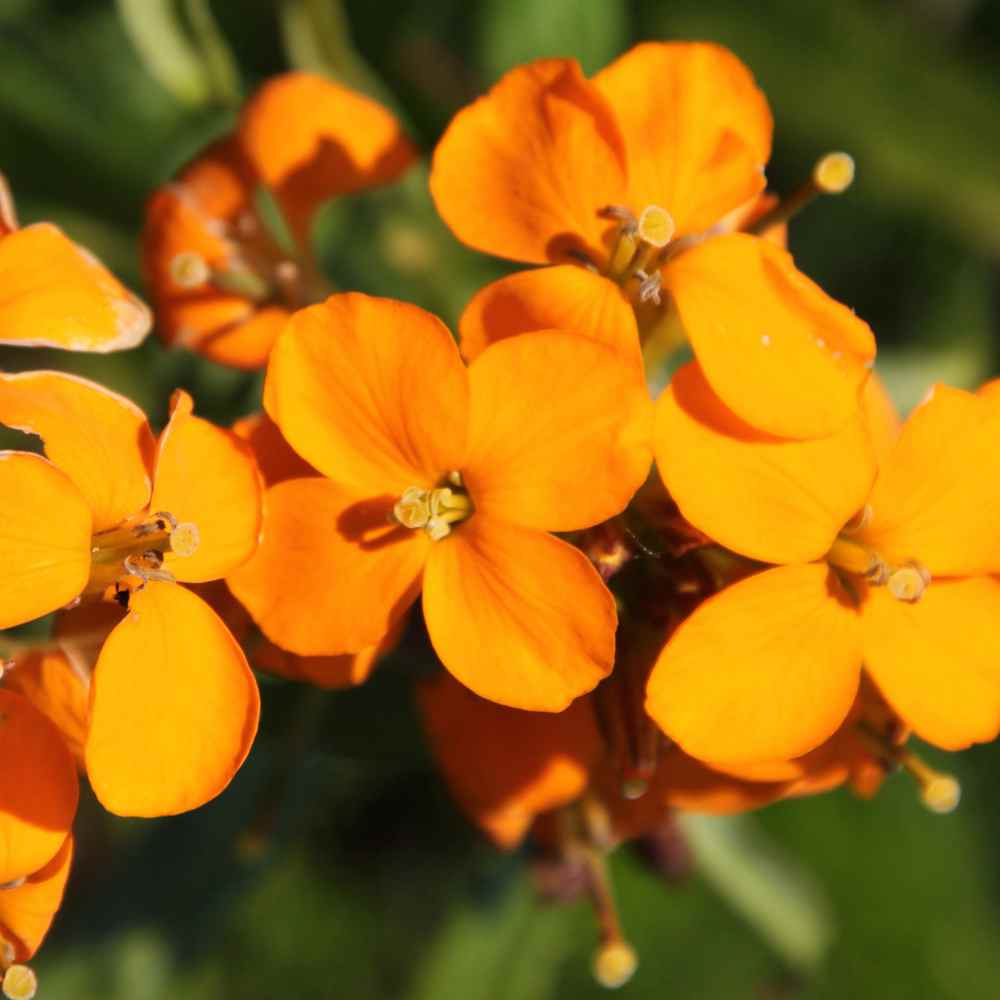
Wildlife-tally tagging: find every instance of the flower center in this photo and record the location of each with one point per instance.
(137, 548)
(906, 581)
(433, 511)
(638, 253)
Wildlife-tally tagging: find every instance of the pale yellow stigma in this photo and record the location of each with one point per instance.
(656, 226)
(614, 964)
(185, 539)
(834, 173)
(19, 983)
(189, 270)
(433, 511)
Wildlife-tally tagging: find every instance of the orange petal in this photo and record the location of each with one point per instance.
(174, 707)
(244, 343)
(765, 670)
(776, 348)
(220, 182)
(310, 139)
(330, 672)
(567, 297)
(54, 293)
(881, 416)
(559, 431)
(937, 662)
(331, 574)
(45, 529)
(505, 766)
(696, 127)
(39, 792)
(518, 616)
(276, 459)
(990, 391)
(57, 688)
(26, 911)
(101, 440)
(371, 392)
(524, 171)
(938, 492)
(208, 476)
(767, 498)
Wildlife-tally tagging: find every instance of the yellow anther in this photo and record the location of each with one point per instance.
(614, 964)
(189, 270)
(656, 226)
(19, 983)
(412, 509)
(834, 173)
(185, 539)
(908, 583)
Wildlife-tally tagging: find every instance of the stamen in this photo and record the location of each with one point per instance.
(190, 270)
(832, 174)
(650, 286)
(628, 243)
(656, 226)
(939, 792)
(137, 549)
(909, 582)
(615, 961)
(434, 511)
(859, 559)
(20, 983)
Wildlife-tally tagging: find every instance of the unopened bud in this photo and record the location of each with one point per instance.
(19, 983)
(614, 964)
(834, 173)
(189, 269)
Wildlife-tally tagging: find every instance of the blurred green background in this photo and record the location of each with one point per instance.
(336, 866)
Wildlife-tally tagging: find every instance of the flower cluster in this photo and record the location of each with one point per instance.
(743, 583)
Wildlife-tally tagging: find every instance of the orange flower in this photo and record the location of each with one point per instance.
(223, 281)
(642, 173)
(54, 293)
(768, 668)
(446, 481)
(113, 512)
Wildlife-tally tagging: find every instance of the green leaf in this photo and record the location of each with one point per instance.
(515, 32)
(767, 887)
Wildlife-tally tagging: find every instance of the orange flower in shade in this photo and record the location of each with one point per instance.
(641, 174)
(53, 293)
(445, 481)
(113, 512)
(882, 564)
(224, 282)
